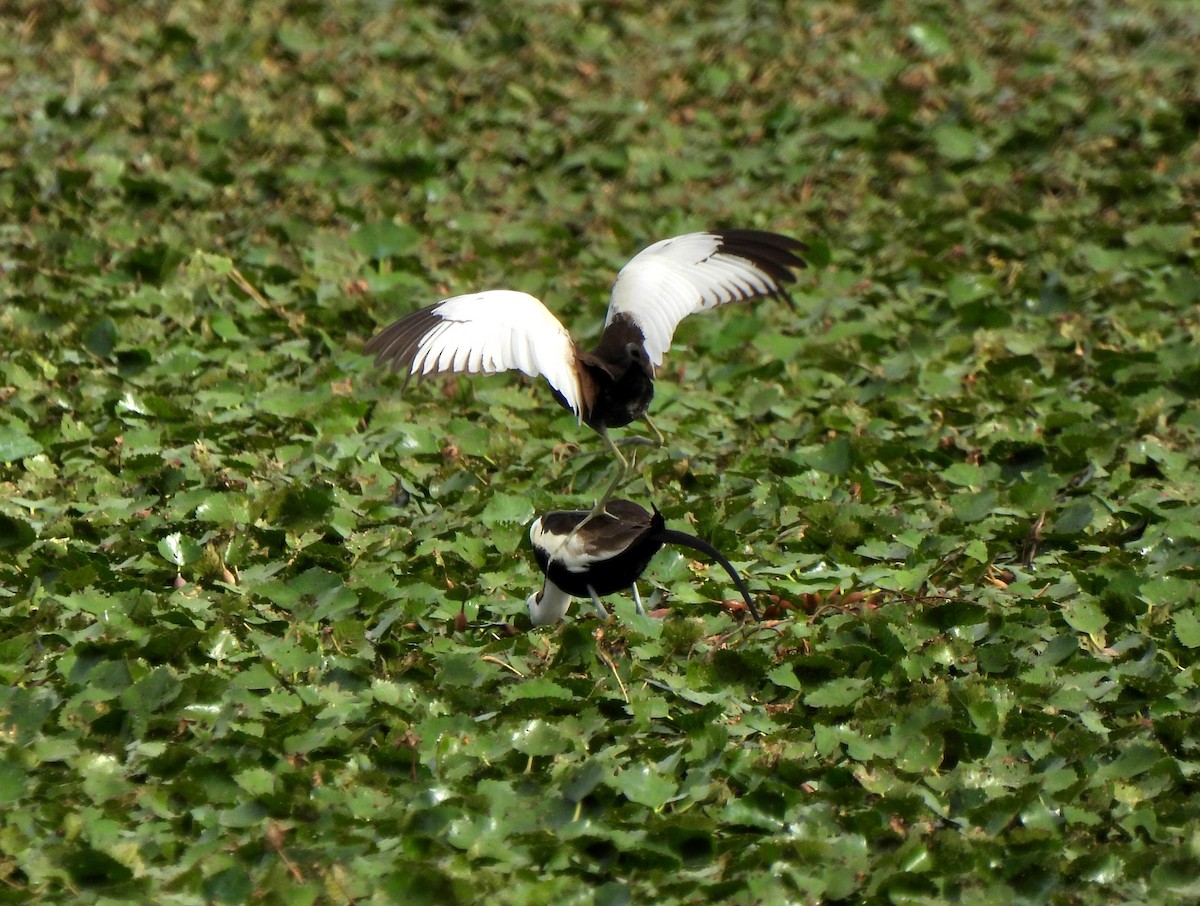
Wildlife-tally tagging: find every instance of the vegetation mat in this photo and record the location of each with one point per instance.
(961, 473)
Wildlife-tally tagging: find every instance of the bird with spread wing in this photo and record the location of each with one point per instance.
(612, 384)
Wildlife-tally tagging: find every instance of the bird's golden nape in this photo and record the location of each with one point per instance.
(611, 385)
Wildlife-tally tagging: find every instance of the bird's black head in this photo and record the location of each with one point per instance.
(635, 354)
(622, 345)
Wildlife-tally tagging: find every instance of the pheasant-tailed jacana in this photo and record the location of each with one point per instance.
(584, 556)
(611, 386)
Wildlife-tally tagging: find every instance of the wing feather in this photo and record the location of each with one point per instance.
(577, 548)
(676, 277)
(497, 330)
(569, 550)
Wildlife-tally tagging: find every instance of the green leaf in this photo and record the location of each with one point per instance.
(462, 670)
(507, 509)
(977, 551)
(1085, 617)
(1074, 519)
(150, 693)
(1132, 761)
(13, 780)
(645, 786)
(297, 37)
(931, 38)
(584, 780)
(838, 693)
(101, 338)
(256, 781)
(15, 444)
(612, 893)
(833, 458)
(784, 676)
(384, 239)
(974, 507)
(223, 509)
(178, 550)
(15, 534)
(956, 143)
(1167, 237)
(230, 885)
(1187, 627)
(537, 737)
(537, 688)
(964, 474)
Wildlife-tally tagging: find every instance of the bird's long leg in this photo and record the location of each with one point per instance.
(600, 611)
(659, 440)
(624, 466)
(638, 441)
(618, 479)
(637, 600)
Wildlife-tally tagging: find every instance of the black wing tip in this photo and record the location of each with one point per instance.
(396, 345)
(773, 252)
(763, 237)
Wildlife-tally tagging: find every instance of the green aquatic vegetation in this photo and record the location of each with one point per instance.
(961, 471)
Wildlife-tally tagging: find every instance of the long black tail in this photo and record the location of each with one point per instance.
(671, 536)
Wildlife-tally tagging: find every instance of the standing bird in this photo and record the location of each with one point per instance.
(585, 556)
(611, 386)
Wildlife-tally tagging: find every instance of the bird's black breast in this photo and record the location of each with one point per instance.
(622, 375)
(621, 401)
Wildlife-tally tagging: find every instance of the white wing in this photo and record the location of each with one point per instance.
(674, 278)
(482, 333)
